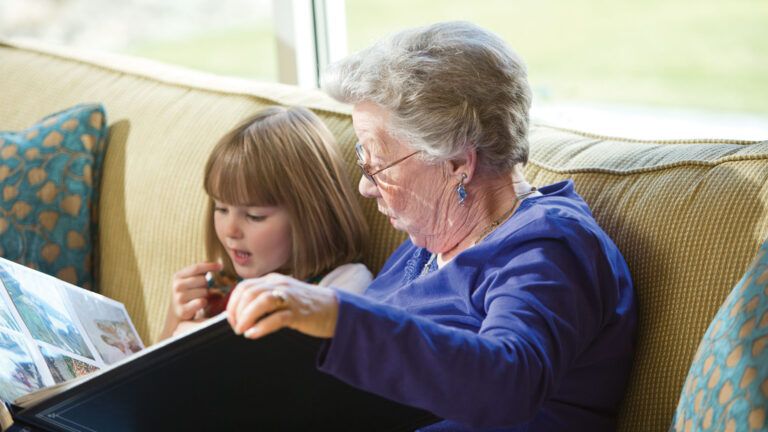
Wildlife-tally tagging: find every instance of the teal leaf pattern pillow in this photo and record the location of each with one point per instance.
(727, 384)
(49, 177)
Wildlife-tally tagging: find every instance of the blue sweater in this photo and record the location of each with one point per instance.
(532, 329)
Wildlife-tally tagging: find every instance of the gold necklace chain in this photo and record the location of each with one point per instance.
(507, 214)
(487, 231)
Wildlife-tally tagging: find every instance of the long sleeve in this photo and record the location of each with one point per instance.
(532, 329)
(538, 319)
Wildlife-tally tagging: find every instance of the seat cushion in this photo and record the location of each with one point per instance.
(688, 216)
(727, 384)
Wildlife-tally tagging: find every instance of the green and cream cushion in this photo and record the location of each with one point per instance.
(49, 176)
(727, 385)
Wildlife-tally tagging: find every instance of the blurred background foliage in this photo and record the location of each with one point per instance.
(697, 54)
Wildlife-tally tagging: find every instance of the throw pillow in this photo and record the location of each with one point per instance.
(49, 177)
(727, 385)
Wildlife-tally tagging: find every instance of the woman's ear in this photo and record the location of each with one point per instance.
(463, 166)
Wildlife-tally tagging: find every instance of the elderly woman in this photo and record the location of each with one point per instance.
(508, 306)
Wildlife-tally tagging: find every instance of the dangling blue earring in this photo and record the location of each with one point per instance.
(460, 191)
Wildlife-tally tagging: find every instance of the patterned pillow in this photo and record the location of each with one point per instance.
(49, 176)
(727, 384)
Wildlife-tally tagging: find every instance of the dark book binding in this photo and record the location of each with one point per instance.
(214, 380)
(8, 422)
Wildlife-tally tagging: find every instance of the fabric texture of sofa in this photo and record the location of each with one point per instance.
(689, 215)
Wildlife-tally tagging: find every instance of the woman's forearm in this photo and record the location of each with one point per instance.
(456, 374)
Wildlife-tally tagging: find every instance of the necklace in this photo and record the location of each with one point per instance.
(507, 214)
(489, 229)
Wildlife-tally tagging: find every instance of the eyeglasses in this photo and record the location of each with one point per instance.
(366, 169)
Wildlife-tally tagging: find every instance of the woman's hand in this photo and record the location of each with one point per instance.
(190, 290)
(264, 305)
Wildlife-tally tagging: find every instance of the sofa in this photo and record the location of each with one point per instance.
(689, 215)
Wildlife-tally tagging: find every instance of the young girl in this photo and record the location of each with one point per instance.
(280, 201)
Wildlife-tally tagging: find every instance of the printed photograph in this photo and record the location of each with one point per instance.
(6, 317)
(64, 367)
(42, 309)
(107, 324)
(18, 373)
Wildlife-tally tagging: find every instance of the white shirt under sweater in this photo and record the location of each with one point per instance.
(353, 277)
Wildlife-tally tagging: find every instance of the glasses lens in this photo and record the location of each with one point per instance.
(361, 162)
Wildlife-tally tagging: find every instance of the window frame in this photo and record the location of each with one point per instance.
(310, 35)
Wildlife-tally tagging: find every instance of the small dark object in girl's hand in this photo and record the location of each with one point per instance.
(219, 288)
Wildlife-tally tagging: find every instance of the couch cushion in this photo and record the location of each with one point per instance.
(688, 217)
(166, 121)
(727, 384)
(49, 176)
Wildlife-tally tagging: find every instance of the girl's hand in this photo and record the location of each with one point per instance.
(190, 290)
(264, 305)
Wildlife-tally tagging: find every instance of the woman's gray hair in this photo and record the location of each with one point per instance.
(448, 86)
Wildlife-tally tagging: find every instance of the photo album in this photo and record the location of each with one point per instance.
(71, 361)
(52, 332)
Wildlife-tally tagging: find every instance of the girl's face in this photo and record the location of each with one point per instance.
(257, 239)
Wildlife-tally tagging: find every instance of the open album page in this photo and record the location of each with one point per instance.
(52, 332)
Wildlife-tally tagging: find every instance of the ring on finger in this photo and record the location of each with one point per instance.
(280, 297)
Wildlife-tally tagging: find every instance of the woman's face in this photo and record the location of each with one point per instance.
(257, 239)
(412, 193)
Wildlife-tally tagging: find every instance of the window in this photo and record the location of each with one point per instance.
(648, 69)
(691, 67)
(231, 37)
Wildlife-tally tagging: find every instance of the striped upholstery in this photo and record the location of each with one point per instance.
(688, 216)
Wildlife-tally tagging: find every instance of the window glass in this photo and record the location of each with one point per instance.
(232, 37)
(680, 59)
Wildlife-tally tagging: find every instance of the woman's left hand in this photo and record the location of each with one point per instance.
(264, 305)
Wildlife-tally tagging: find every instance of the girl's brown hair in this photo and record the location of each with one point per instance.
(287, 157)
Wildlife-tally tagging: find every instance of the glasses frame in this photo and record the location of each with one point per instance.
(365, 168)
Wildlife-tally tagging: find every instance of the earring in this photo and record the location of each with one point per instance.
(460, 191)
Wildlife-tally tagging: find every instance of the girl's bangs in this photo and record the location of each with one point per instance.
(235, 180)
